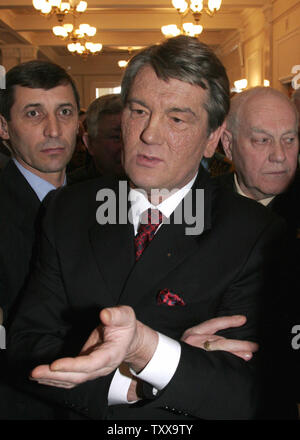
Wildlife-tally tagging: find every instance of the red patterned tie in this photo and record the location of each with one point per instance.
(150, 220)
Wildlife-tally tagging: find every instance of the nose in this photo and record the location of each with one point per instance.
(152, 132)
(52, 126)
(277, 153)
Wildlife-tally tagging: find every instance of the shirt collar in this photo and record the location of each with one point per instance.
(264, 202)
(40, 186)
(140, 203)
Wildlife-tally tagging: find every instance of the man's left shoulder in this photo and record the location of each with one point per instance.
(238, 212)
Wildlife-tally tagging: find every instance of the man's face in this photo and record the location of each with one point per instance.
(106, 148)
(164, 128)
(266, 148)
(42, 128)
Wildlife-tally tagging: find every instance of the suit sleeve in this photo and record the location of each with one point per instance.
(46, 328)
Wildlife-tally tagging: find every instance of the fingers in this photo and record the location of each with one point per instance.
(242, 349)
(232, 345)
(214, 325)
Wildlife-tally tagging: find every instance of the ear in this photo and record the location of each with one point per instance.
(227, 141)
(87, 143)
(3, 128)
(213, 140)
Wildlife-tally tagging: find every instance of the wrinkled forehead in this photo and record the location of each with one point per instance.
(268, 112)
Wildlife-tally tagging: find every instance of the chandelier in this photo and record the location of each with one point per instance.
(196, 8)
(78, 38)
(59, 8)
(84, 48)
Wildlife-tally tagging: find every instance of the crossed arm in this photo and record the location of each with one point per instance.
(120, 337)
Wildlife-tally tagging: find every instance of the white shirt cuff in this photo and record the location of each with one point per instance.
(161, 368)
(119, 386)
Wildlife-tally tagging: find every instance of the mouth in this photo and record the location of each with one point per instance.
(53, 150)
(147, 161)
(277, 173)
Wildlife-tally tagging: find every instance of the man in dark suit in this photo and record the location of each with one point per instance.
(39, 117)
(211, 256)
(261, 140)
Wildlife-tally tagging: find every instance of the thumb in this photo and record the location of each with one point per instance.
(117, 316)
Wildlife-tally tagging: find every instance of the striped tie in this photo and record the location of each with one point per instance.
(150, 220)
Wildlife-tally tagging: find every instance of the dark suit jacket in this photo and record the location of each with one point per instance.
(19, 220)
(287, 206)
(84, 267)
(19, 211)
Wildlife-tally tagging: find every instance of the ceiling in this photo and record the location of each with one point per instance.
(120, 24)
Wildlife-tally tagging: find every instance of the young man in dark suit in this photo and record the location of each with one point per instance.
(39, 119)
(211, 256)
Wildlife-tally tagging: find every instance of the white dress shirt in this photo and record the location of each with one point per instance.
(40, 186)
(264, 202)
(161, 368)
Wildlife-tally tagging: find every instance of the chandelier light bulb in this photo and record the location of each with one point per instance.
(68, 27)
(84, 28)
(91, 31)
(81, 7)
(54, 3)
(191, 29)
(122, 63)
(196, 6)
(214, 5)
(170, 30)
(46, 8)
(57, 30)
(38, 4)
(198, 28)
(71, 47)
(180, 5)
(65, 7)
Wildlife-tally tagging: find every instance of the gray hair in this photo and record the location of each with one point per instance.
(186, 59)
(239, 101)
(105, 105)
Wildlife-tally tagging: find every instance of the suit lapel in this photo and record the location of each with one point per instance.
(113, 249)
(24, 203)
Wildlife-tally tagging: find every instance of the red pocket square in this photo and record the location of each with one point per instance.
(165, 296)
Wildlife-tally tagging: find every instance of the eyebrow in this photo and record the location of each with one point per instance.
(260, 130)
(172, 109)
(182, 110)
(38, 104)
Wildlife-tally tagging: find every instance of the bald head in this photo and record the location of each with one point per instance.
(255, 95)
(261, 140)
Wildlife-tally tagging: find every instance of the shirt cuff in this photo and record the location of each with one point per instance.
(119, 386)
(161, 368)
